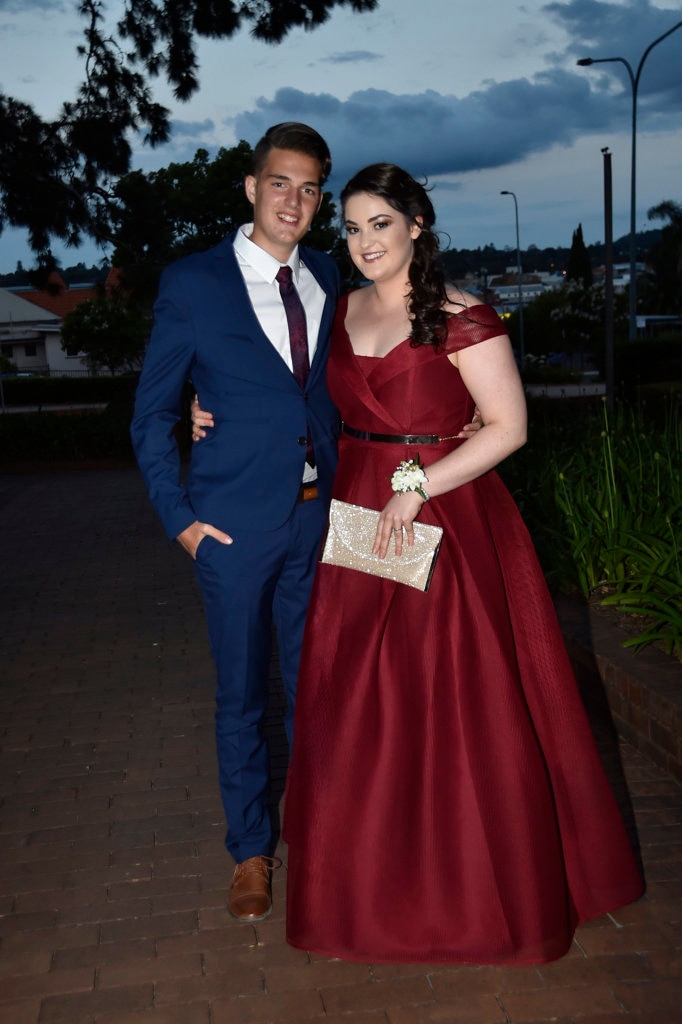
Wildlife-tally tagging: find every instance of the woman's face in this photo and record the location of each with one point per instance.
(380, 240)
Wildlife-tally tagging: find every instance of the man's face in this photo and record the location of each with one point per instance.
(286, 195)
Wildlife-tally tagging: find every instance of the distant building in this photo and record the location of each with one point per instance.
(504, 288)
(30, 337)
(31, 320)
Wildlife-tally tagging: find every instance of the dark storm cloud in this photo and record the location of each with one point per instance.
(434, 134)
(503, 122)
(191, 129)
(625, 30)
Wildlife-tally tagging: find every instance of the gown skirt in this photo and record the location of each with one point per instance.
(446, 801)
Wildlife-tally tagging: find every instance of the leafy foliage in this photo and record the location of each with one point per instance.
(579, 267)
(662, 293)
(111, 332)
(603, 500)
(55, 175)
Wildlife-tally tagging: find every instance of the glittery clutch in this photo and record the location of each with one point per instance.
(350, 538)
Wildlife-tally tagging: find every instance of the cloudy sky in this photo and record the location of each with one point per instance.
(478, 97)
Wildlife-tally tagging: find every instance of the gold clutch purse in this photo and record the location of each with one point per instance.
(349, 541)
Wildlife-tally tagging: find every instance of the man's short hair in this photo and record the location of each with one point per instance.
(300, 138)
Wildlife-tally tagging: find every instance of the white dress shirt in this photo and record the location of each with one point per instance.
(259, 270)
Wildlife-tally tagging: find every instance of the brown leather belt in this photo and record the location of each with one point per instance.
(366, 435)
(307, 492)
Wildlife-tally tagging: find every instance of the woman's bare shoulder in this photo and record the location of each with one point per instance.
(459, 300)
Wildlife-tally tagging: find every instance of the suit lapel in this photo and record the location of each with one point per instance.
(238, 304)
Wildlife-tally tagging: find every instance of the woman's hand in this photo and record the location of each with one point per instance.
(395, 522)
(472, 428)
(201, 420)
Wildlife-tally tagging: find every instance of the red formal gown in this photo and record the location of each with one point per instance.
(446, 801)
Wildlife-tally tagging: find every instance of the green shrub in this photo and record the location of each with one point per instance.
(602, 496)
(64, 390)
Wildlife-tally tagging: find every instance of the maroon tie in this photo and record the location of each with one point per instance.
(298, 337)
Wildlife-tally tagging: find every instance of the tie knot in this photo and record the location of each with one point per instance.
(283, 277)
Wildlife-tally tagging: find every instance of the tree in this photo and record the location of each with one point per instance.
(663, 294)
(579, 266)
(158, 217)
(112, 333)
(55, 175)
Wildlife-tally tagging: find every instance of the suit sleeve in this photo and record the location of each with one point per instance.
(158, 403)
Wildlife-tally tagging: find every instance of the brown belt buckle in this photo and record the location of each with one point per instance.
(307, 492)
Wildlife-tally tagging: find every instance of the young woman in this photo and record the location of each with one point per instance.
(445, 801)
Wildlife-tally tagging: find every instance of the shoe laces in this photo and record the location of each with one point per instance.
(263, 865)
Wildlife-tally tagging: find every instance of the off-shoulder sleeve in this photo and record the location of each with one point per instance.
(473, 325)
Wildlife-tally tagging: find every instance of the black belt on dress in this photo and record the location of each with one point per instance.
(366, 435)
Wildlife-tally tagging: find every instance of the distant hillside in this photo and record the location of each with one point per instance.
(79, 274)
(460, 262)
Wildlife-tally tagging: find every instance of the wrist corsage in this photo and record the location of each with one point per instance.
(410, 476)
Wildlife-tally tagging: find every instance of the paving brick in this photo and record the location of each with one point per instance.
(459, 982)
(634, 938)
(24, 987)
(234, 936)
(50, 938)
(662, 996)
(189, 989)
(23, 1011)
(130, 971)
(142, 927)
(287, 1008)
(372, 996)
(546, 1005)
(191, 1013)
(315, 975)
(474, 1010)
(105, 910)
(109, 953)
(20, 964)
(83, 1008)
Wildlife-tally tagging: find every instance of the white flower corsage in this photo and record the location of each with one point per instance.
(410, 476)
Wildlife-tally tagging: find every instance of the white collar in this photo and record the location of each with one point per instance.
(261, 261)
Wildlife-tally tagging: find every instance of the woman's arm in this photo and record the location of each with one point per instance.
(490, 374)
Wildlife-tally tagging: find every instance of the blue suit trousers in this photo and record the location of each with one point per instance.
(263, 579)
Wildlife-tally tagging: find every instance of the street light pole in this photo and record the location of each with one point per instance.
(506, 192)
(634, 76)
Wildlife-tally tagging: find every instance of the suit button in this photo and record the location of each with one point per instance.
(303, 440)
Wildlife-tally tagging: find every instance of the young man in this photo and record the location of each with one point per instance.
(254, 506)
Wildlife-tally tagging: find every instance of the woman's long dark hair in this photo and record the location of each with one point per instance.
(428, 294)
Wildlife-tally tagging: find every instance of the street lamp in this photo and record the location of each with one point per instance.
(506, 192)
(586, 62)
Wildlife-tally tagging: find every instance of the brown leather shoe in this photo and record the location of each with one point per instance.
(249, 898)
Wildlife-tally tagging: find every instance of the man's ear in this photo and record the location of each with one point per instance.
(250, 187)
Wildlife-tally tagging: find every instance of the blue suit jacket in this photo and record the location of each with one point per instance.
(248, 470)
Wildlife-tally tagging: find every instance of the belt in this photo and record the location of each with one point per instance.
(366, 435)
(307, 492)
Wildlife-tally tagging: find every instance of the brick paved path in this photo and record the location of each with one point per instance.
(112, 867)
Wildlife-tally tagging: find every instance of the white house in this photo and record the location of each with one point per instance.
(30, 337)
